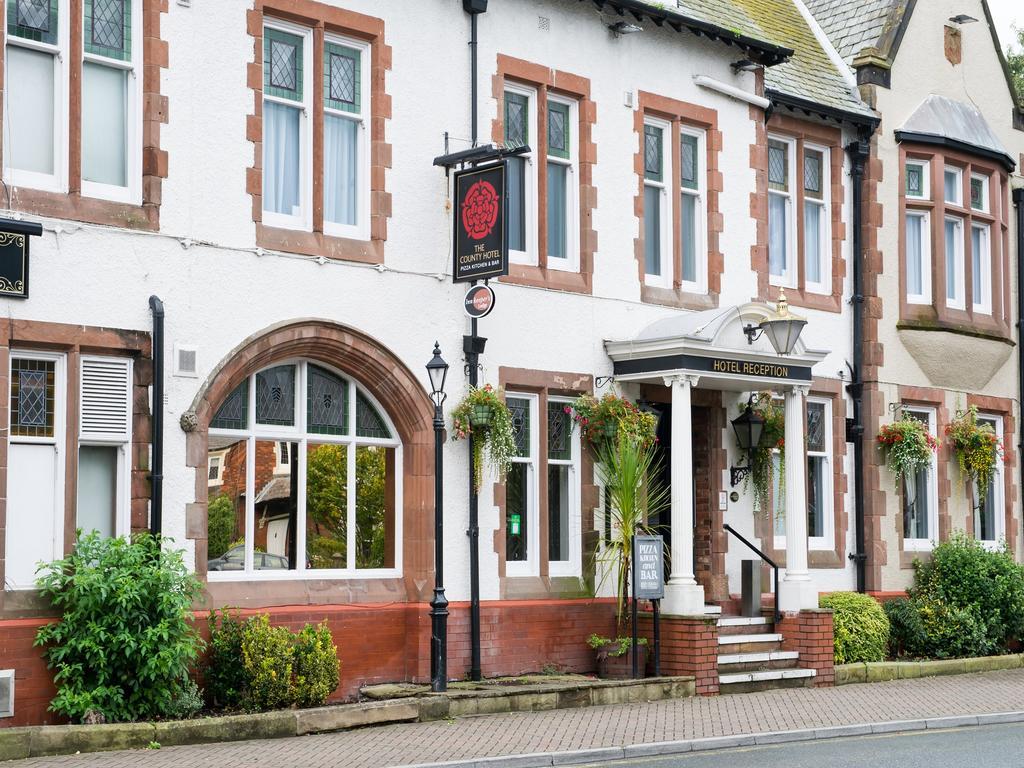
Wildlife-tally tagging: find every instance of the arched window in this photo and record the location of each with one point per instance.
(305, 477)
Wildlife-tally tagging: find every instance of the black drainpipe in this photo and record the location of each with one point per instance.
(859, 152)
(157, 475)
(1018, 202)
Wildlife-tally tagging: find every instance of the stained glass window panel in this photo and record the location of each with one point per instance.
(108, 28)
(652, 152)
(978, 194)
(559, 432)
(282, 64)
(519, 408)
(369, 423)
(690, 164)
(558, 129)
(812, 173)
(33, 20)
(234, 411)
(915, 181)
(517, 120)
(32, 398)
(816, 427)
(778, 166)
(342, 66)
(275, 396)
(326, 402)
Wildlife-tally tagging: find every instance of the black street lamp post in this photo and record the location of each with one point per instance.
(437, 370)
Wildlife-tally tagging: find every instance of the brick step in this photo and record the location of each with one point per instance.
(746, 682)
(744, 625)
(750, 643)
(732, 663)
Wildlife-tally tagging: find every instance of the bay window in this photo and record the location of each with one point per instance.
(322, 477)
(918, 257)
(981, 269)
(953, 186)
(954, 242)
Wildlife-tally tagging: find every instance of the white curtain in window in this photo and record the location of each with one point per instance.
(516, 204)
(104, 96)
(97, 488)
(281, 159)
(341, 170)
(689, 237)
(28, 134)
(812, 242)
(777, 239)
(652, 230)
(914, 255)
(976, 264)
(557, 204)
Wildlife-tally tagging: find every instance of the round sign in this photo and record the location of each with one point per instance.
(479, 301)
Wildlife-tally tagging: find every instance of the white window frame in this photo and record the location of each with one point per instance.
(531, 565)
(530, 176)
(123, 510)
(216, 463)
(959, 299)
(998, 490)
(572, 247)
(573, 566)
(984, 179)
(303, 221)
(925, 167)
(958, 199)
(827, 539)
(361, 229)
(58, 180)
(790, 272)
(666, 243)
(700, 212)
(297, 433)
(926, 545)
(825, 234)
(925, 297)
(58, 441)
(985, 263)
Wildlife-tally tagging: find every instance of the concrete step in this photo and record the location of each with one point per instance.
(761, 643)
(745, 682)
(732, 663)
(712, 610)
(743, 625)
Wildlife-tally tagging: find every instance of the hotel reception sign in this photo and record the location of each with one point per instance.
(481, 234)
(715, 365)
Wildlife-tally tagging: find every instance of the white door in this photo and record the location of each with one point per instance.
(35, 469)
(277, 536)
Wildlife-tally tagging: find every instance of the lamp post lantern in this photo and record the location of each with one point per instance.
(437, 371)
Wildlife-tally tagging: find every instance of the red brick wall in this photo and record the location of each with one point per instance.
(810, 633)
(378, 643)
(689, 646)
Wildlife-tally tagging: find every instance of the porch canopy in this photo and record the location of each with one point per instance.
(710, 350)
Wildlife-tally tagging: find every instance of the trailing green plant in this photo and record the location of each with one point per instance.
(622, 644)
(907, 635)
(483, 414)
(612, 418)
(907, 446)
(630, 472)
(316, 665)
(773, 438)
(224, 674)
(976, 446)
(860, 626)
(124, 644)
(267, 656)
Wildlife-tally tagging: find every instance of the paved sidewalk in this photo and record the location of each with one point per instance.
(573, 729)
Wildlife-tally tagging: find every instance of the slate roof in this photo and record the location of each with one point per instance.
(725, 14)
(810, 74)
(853, 25)
(947, 118)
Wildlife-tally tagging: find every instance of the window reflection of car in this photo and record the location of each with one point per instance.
(234, 560)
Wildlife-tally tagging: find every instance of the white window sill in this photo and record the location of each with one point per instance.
(306, 575)
(917, 545)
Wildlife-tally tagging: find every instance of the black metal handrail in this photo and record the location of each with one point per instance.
(763, 556)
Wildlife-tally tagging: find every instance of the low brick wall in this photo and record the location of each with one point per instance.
(689, 646)
(376, 644)
(810, 632)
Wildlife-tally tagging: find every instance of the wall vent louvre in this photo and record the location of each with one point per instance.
(185, 358)
(106, 399)
(6, 693)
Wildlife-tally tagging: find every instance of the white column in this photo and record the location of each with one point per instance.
(683, 595)
(797, 591)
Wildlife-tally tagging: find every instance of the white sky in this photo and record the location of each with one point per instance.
(1007, 14)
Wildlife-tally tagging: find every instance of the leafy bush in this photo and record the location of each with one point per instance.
(124, 644)
(316, 665)
(256, 667)
(267, 657)
(188, 702)
(220, 527)
(860, 625)
(906, 630)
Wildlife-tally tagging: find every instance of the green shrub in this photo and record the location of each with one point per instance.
(188, 702)
(316, 665)
(860, 625)
(220, 526)
(906, 631)
(951, 631)
(267, 657)
(225, 673)
(123, 646)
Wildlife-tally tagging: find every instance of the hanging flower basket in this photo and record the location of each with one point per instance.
(907, 446)
(762, 464)
(483, 415)
(977, 447)
(611, 419)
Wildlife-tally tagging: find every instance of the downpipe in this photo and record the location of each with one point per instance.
(157, 475)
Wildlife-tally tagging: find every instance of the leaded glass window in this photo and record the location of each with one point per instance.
(369, 423)
(979, 193)
(108, 28)
(32, 397)
(914, 173)
(517, 119)
(652, 152)
(778, 166)
(520, 410)
(275, 396)
(33, 20)
(559, 431)
(689, 162)
(558, 129)
(326, 402)
(812, 173)
(342, 67)
(282, 64)
(234, 411)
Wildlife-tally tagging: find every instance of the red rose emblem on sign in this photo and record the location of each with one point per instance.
(480, 210)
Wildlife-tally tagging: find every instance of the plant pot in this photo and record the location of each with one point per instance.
(620, 667)
(481, 416)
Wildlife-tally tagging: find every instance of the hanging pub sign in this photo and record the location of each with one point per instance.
(479, 301)
(14, 248)
(481, 237)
